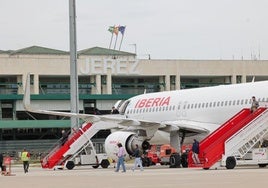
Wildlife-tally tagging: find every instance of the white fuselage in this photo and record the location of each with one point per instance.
(210, 106)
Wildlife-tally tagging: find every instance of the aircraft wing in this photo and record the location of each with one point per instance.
(168, 126)
(121, 120)
(85, 117)
(28, 107)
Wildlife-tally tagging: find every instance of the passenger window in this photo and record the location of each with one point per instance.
(237, 102)
(210, 104)
(242, 101)
(230, 103)
(218, 103)
(246, 101)
(214, 104)
(222, 103)
(233, 102)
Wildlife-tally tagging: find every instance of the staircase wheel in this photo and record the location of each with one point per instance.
(230, 162)
(105, 163)
(95, 166)
(262, 165)
(70, 165)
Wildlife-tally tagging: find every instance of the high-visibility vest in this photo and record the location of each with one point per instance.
(24, 156)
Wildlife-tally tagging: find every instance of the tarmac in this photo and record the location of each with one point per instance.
(151, 177)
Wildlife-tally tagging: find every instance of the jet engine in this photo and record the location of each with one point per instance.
(128, 140)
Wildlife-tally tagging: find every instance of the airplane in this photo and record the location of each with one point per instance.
(175, 117)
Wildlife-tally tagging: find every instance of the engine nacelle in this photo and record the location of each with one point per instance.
(127, 139)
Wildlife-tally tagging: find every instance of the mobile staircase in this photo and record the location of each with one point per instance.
(228, 145)
(77, 141)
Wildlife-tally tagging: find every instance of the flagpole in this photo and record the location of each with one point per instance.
(111, 40)
(122, 31)
(111, 29)
(121, 42)
(115, 42)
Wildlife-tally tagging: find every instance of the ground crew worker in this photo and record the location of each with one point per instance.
(25, 157)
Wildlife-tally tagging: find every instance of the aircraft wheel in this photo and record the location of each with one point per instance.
(105, 163)
(184, 160)
(70, 165)
(175, 160)
(230, 162)
(145, 162)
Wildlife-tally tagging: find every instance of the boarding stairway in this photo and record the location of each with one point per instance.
(78, 140)
(233, 140)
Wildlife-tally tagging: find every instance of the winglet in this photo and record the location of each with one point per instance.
(28, 107)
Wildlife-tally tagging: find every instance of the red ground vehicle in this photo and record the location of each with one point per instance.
(158, 154)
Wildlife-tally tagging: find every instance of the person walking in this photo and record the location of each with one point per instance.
(1, 161)
(25, 157)
(64, 137)
(195, 150)
(120, 161)
(137, 161)
(254, 104)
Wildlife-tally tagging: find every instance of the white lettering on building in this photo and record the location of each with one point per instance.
(113, 66)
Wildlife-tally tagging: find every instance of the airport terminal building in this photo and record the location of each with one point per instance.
(104, 77)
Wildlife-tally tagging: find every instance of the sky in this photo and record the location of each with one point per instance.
(165, 29)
